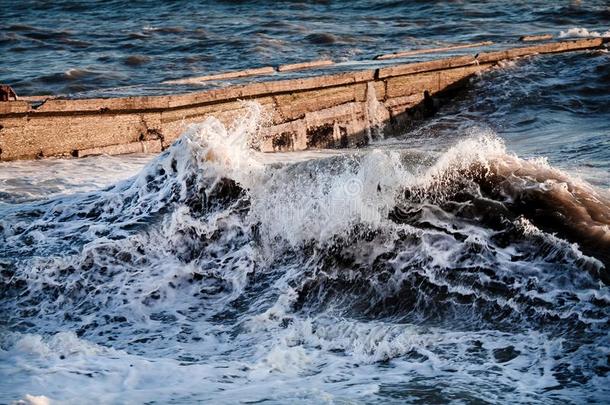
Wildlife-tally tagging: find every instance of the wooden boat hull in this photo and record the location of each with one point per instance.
(335, 110)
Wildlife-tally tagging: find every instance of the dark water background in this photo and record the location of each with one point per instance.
(463, 261)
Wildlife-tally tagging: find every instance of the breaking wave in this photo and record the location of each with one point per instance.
(469, 275)
(582, 32)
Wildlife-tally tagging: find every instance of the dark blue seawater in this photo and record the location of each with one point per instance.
(464, 261)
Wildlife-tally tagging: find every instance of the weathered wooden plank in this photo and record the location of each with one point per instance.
(267, 70)
(400, 86)
(431, 50)
(12, 107)
(41, 136)
(305, 65)
(420, 67)
(253, 90)
(153, 146)
(296, 105)
(490, 57)
(247, 91)
(541, 37)
(407, 85)
(103, 105)
(308, 112)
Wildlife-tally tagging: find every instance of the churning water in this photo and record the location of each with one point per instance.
(466, 260)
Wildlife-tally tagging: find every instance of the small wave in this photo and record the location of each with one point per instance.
(582, 33)
(164, 30)
(76, 74)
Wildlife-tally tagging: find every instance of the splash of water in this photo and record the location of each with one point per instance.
(232, 279)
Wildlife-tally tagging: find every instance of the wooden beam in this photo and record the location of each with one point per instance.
(335, 107)
(431, 50)
(490, 57)
(305, 65)
(542, 37)
(223, 76)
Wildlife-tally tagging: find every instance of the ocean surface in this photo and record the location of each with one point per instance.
(465, 261)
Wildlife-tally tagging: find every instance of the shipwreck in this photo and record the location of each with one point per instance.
(314, 104)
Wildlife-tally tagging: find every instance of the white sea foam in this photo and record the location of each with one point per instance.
(582, 33)
(303, 285)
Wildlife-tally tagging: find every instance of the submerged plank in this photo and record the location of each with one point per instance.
(431, 50)
(305, 65)
(224, 76)
(541, 37)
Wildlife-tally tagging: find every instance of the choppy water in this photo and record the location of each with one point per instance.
(75, 46)
(465, 261)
